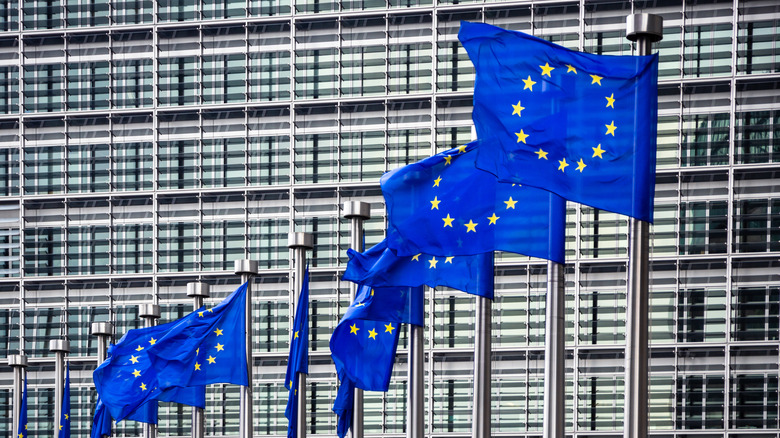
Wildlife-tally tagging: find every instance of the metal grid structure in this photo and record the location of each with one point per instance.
(145, 144)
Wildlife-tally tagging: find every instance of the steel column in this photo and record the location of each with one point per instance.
(554, 354)
(150, 313)
(60, 347)
(247, 269)
(416, 412)
(19, 364)
(482, 371)
(299, 242)
(198, 291)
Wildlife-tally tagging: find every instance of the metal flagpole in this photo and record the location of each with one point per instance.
(554, 354)
(482, 363)
(416, 425)
(644, 29)
(198, 291)
(247, 269)
(59, 347)
(356, 212)
(103, 331)
(19, 363)
(150, 314)
(299, 242)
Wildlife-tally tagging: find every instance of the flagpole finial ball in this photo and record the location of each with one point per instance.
(245, 266)
(59, 345)
(300, 240)
(198, 289)
(648, 26)
(357, 209)
(17, 360)
(149, 311)
(102, 328)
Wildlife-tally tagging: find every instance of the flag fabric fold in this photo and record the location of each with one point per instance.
(64, 426)
(298, 360)
(577, 124)
(21, 432)
(379, 266)
(101, 422)
(444, 206)
(364, 343)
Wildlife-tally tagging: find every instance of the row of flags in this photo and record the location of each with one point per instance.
(63, 425)
(552, 125)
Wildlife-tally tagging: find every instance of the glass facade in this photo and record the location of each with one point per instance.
(147, 144)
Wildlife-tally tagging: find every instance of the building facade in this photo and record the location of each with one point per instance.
(146, 144)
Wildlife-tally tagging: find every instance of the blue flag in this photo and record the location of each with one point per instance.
(580, 125)
(445, 206)
(64, 430)
(298, 361)
(364, 342)
(101, 422)
(21, 432)
(127, 383)
(207, 346)
(379, 266)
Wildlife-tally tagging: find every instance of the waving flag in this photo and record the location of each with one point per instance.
(22, 431)
(101, 422)
(64, 430)
(298, 360)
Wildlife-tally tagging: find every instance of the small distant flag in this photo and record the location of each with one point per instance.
(298, 360)
(21, 432)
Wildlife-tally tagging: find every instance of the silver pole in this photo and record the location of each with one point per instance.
(150, 313)
(482, 359)
(416, 428)
(299, 242)
(356, 212)
(198, 291)
(19, 363)
(554, 355)
(246, 269)
(59, 347)
(103, 331)
(644, 29)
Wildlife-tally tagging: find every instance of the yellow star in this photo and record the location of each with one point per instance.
(200, 314)
(521, 136)
(210, 311)
(510, 203)
(220, 347)
(462, 149)
(529, 84)
(432, 263)
(197, 366)
(360, 305)
(416, 258)
(353, 329)
(449, 260)
(134, 359)
(197, 351)
(435, 203)
(596, 79)
(611, 128)
(389, 328)
(597, 151)
(152, 341)
(562, 165)
(21, 435)
(60, 427)
(448, 160)
(494, 218)
(66, 416)
(218, 332)
(611, 100)
(296, 335)
(291, 383)
(211, 359)
(139, 348)
(372, 290)
(541, 154)
(136, 373)
(143, 386)
(517, 110)
(372, 334)
(581, 165)
(471, 226)
(546, 69)
(571, 69)
(448, 221)
(437, 181)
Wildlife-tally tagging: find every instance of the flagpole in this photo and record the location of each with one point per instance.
(103, 331)
(644, 29)
(150, 313)
(356, 212)
(247, 269)
(59, 347)
(198, 290)
(416, 425)
(554, 354)
(299, 242)
(19, 364)
(482, 363)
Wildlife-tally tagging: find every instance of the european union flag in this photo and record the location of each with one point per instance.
(207, 346)
(364, 342)
(379, 266)
(21, 432)
(101, 422)
(64, 430)
(298, 361)
(127, 383)
(580, 125)
(445, 206)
